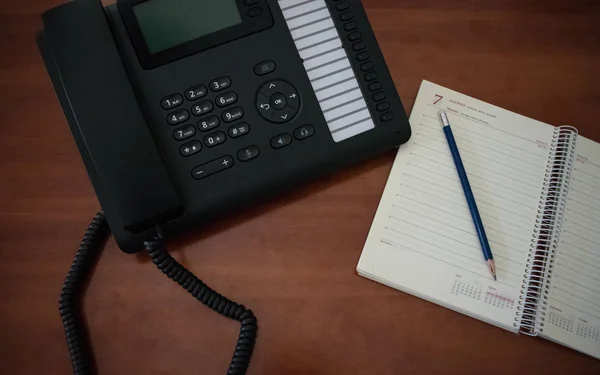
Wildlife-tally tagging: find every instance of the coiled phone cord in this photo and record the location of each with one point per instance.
(87, 255)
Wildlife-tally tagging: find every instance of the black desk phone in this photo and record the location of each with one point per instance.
(184, 110)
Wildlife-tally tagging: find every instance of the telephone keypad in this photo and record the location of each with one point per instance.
(178, 117)
(208, 123)
(196, 92)
(226, 99)
(220, 84)
(215, 139)
(171, 101)
(202, 108)
(184, 133)
(239, 130)
(190, 148)
(233, 114)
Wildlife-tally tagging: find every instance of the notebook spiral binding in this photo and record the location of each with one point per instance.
(531, 310)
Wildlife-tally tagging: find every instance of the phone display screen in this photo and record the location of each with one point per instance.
(168, 23)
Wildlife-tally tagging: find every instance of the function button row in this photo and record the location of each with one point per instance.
(212, 167)
(285, 139)
(363, 57)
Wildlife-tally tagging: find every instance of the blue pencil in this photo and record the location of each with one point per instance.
(462, 174)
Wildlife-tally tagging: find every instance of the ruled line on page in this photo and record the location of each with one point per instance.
(487, 126)
(432, 124)
(479, 200)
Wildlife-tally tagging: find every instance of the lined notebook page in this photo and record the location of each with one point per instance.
(423, 240)
(573, 310)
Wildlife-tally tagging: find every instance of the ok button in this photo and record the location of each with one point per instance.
(278, 101)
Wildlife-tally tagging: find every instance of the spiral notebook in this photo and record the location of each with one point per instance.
(538, 191)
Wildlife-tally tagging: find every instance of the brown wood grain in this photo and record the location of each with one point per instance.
(292, 260)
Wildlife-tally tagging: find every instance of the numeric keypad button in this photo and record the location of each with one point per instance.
(202, 108)
(190, 148)
(220, 84)
(178, 117)
(171, 101)
(239, 130)
(226, 99)
(208, 123)
(184, 133)
(232, 114)
(215, 139)
(196, 92)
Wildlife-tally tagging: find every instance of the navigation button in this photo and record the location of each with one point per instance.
(212, 167)
(190, 148)
(248, 153)
(292, 97)
(264, 68)
(278, 101)
(272, 87)
(284, 115)
(264, 106)
(281, 141)
(304, 132)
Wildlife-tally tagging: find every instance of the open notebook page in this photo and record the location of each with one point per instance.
(572, 314)
(423, 240)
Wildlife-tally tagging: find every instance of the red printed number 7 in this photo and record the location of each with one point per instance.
(438, 98)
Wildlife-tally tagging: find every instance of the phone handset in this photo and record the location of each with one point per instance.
(129, 175)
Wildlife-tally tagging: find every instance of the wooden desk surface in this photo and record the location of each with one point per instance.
(291, 260)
